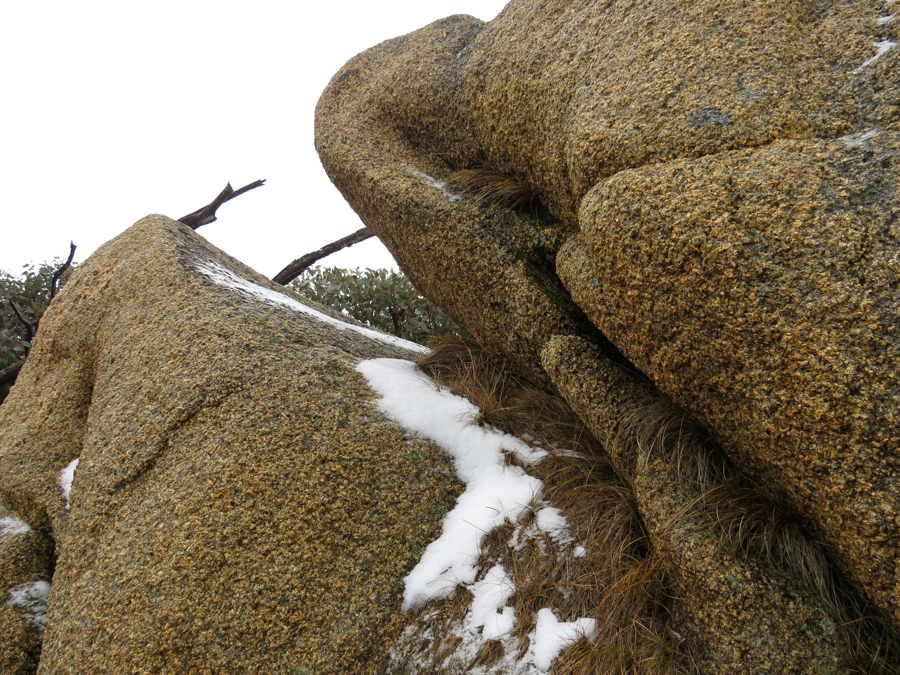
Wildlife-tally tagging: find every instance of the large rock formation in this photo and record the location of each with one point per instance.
(238, 505)
(718, 188)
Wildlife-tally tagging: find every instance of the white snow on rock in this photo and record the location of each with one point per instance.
(10, 526)
(225, 277)
(883, 48)
(433, 182)
(858, 140)
(32, 598)
(495, 494)
(66, 476)
(551, 636)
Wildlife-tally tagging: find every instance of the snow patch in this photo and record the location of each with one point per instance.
(883, 48)
(551, 636)
(10, 526)
(886, 19)
(488, 613)
(225, 277)
(66, 476)
(494, 494)
(430, 181)
(857, 140)
(32, 598)
(548, 521)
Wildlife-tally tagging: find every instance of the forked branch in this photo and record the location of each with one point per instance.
(207, 214)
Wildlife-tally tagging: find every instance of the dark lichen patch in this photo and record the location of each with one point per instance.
(709, 116)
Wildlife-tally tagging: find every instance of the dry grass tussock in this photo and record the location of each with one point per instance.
(491, 186)
(614, 579)
(749, 523)
(619, 581)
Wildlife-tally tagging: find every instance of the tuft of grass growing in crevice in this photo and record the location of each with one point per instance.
(612, 575)
(506, 400)
(494, 187)
(662, 429)
(750, 523)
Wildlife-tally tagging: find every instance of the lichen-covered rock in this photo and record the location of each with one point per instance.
(383, 128)
(238, 505)
(762, 296)
(718, 189)
(739, 616)
(26, 561)
(561, 96)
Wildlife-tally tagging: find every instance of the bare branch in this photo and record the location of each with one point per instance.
(10, 373)
(58, 274)
(30, 328)
(207, 214)
(300, 265)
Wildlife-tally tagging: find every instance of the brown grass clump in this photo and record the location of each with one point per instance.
(751, 524)
(506, 400)
(616, 580)
(619, 580)
(491, 186)
(666, 431)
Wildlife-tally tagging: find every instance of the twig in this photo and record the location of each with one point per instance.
(10, 373)
(300, 265)
(61, 270)
(30, 328)
(207, 214)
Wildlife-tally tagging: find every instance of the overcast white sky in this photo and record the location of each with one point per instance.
(115, 110)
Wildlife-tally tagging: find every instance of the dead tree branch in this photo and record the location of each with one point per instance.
(207, 214)
(58, 273)
(10, 373)
(300, 265)
(30, 327)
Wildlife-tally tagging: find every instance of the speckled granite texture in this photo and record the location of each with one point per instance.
(762, 296)
(740, 616)
(719, 183)
(239, 506)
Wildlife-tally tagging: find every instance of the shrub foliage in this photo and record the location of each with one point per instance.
(30, 291)
(383, 299)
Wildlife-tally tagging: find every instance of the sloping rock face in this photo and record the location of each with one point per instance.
(719, 190)
(795, 634)
(763, 297)
(238, 504)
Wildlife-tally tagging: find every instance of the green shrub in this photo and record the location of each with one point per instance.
(382, 299)
(30, 291)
